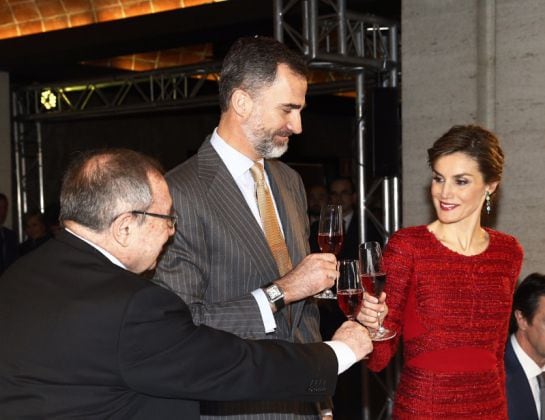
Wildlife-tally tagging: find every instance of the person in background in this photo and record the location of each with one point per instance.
(36, 231)
(84, 336)
(8, 238)
(525, 351)
(239, 255)
(450, 285)
(316, 199)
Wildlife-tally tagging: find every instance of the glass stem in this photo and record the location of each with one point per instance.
(380, 330)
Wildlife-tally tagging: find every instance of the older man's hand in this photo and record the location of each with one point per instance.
(356, 337)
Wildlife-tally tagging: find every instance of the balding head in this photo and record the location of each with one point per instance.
(100, 185)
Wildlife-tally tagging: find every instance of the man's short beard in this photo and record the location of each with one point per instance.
(268, 150)
(263, 142)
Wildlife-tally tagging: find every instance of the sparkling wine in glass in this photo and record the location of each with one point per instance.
(349, 290)
(373, 279)
(330, 236)
(330, 242)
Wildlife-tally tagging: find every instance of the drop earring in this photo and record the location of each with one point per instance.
(487, 200)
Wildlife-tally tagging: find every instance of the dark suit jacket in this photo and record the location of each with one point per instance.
(520, 401)
(8, 247)
(83, 338)
(219, 253)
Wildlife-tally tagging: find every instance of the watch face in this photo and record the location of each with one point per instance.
(274, 292)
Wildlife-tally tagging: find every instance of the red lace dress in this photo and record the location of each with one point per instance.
(452, 312)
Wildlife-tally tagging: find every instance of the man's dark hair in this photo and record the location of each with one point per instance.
(100, 185)
(251, 64)
(526, 299)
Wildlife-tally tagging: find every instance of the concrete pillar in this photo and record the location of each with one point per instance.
(520, 122)
(468, 61)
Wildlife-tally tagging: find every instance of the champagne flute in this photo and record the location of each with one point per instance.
(330, 236)
(349, 290)
(373, 278)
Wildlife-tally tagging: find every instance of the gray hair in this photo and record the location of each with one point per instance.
(98, 186)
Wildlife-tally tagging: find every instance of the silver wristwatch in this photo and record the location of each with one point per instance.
(275, 295)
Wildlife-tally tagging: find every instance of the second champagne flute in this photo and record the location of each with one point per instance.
(330, 236)
(373, 279)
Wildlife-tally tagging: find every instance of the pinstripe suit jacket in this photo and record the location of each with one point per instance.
(219, 255)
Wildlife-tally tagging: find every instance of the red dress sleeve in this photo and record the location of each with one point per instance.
(398, 262)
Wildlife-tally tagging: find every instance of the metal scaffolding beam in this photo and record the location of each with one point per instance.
(160, 90)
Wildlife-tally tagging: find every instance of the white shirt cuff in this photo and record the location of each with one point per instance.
(345, 355)
(265, 309)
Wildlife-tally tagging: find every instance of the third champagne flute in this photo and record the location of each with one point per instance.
(349, 290)
(330, 236)
(373, 279)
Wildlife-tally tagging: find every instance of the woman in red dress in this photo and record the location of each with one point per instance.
(450, 286)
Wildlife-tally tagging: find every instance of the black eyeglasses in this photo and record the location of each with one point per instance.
(171, 220)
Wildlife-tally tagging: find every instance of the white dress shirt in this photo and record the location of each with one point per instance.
(531, 369)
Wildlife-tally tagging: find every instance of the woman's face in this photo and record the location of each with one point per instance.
(458, 189)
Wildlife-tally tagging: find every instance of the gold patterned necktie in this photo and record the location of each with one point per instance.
(273, 234)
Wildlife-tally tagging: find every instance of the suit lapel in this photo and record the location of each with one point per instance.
(229, 204)
(284, 198)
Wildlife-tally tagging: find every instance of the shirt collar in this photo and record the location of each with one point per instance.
(113, 259)
(531, 369)
(237, 163)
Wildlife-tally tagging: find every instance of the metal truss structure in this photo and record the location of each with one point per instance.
(352, 50)
(159, 90)
(332, 37)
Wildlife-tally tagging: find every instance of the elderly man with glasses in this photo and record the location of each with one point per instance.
(84, 336)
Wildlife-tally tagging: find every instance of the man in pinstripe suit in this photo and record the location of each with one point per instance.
(219, 260)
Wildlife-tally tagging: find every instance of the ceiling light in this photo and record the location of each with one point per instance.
(48, 99)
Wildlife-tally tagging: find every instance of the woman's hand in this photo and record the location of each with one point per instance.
(371, 310)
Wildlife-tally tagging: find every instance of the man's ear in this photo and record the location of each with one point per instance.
(242, 103)
(521, 321)
(122, 228)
